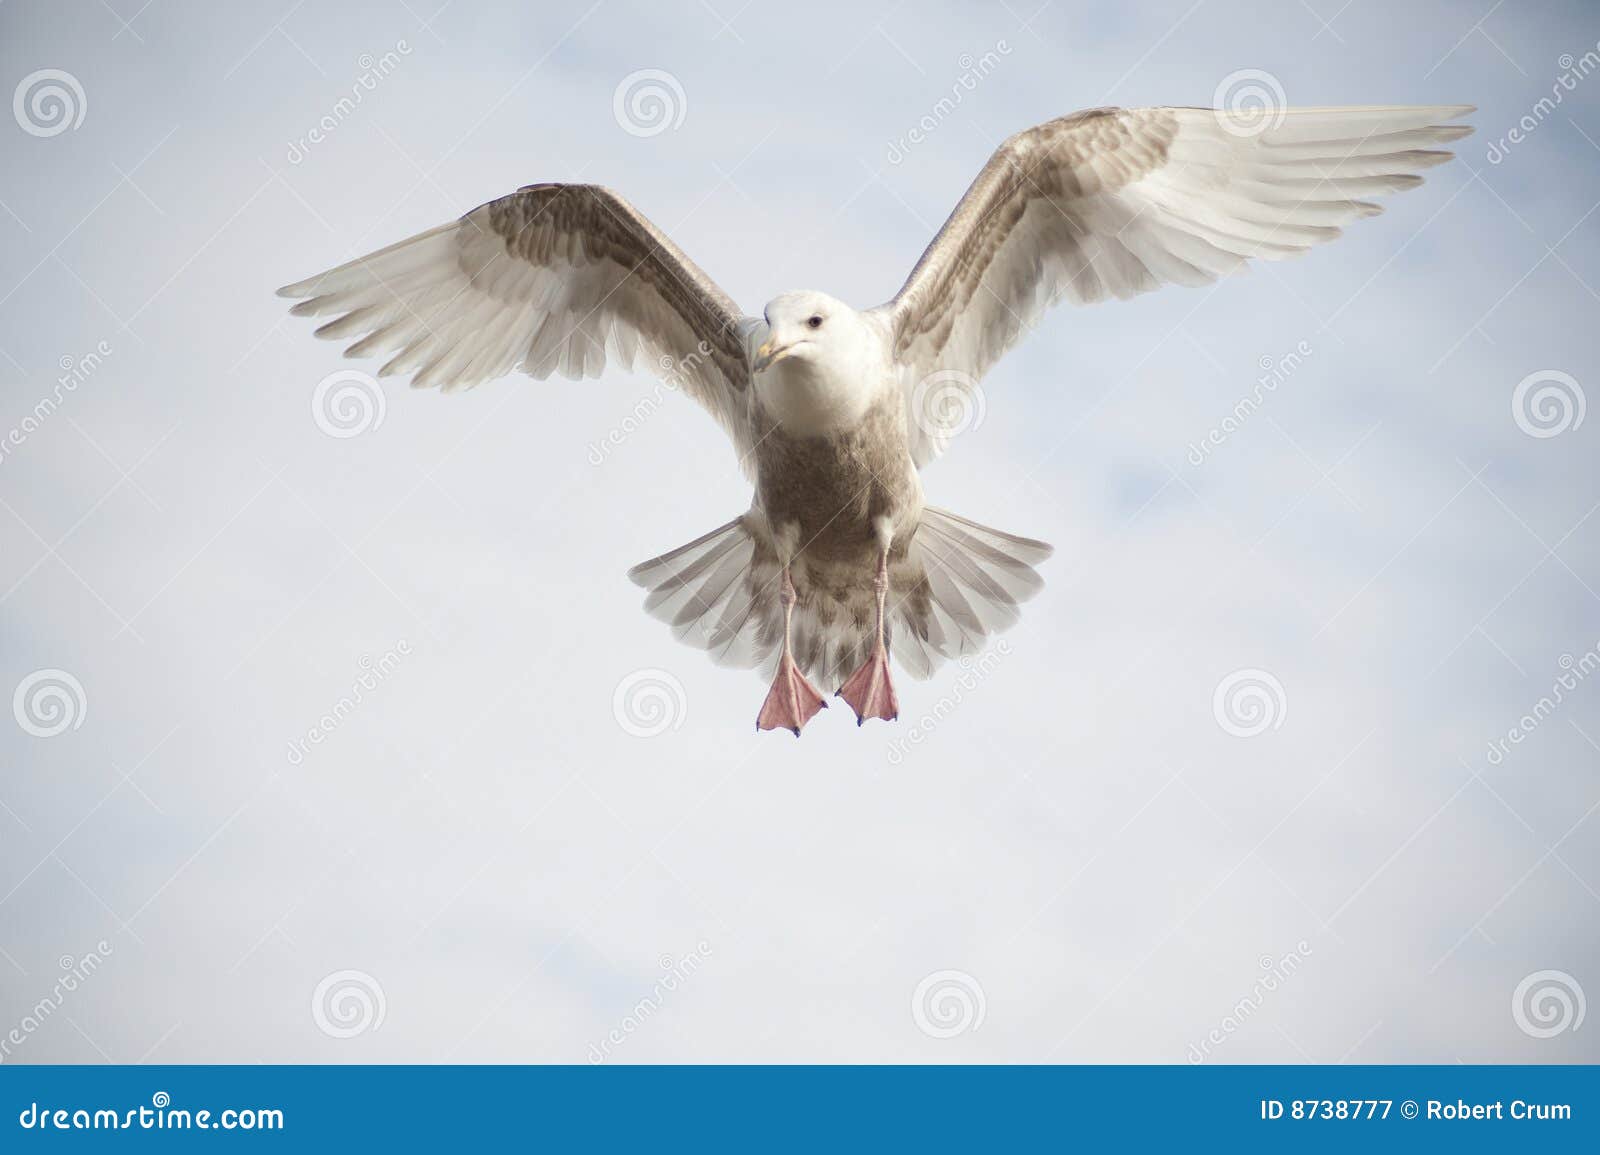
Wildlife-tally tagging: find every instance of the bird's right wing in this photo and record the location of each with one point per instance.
(552, 279)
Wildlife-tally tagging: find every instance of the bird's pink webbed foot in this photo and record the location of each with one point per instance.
(792, 701)
(870, 690)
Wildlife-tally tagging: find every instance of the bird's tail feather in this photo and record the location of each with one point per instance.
(958, 583)
(974, 579)
(717, 593)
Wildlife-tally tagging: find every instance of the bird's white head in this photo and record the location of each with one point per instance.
(820, 364)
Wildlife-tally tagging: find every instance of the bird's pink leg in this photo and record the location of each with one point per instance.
(870, 690)
(792, 701)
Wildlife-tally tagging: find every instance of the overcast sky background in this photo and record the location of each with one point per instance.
(1078, 837)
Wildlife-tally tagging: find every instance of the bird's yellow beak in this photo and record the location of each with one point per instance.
(770, 354)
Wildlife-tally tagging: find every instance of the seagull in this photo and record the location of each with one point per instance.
(834, 411)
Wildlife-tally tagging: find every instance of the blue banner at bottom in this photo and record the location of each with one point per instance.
(799, 1108)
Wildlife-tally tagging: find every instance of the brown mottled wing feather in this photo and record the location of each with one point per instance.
(1116, 202)
(551, 279)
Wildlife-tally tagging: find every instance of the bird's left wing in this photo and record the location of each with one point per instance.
(555, 278)
(1116, 202)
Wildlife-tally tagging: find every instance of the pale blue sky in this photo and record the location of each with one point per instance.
(1078, 836)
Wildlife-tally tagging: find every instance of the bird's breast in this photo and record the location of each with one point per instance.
(832, 486)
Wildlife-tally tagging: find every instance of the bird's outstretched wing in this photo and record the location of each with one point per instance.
(1116, 202)
(555, 278)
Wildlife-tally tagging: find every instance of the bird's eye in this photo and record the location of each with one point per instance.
(815, 322)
